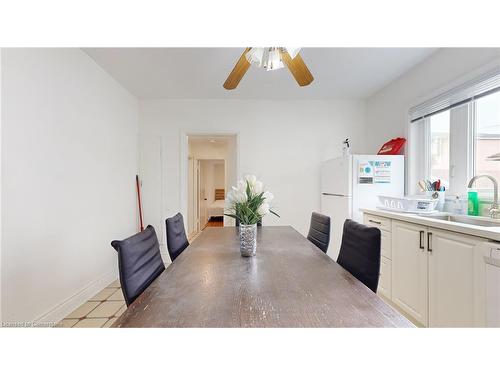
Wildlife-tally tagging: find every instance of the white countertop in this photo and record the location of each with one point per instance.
(490, 233)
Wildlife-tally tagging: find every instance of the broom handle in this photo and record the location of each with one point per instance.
(139, 200)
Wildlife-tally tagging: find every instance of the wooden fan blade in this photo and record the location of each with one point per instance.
(238, 72)
(298, 68)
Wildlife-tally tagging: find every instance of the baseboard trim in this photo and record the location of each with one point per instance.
(62, 310)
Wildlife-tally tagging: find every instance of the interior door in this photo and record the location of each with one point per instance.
(409, 269)
(191, 212)
(451, 279)
(202, 195)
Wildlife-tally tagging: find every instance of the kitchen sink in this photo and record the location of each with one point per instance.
(471, 220)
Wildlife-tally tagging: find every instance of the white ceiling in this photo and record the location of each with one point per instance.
(198, 73)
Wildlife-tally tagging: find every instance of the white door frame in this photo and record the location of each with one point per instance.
(184, 154)
(198, 188)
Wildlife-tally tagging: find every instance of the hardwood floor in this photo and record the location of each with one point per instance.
(215, 222)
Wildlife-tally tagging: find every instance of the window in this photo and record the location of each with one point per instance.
(456, 136)
(487, 139)
(440, 147)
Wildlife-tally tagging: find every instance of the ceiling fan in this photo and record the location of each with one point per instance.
(270, 58)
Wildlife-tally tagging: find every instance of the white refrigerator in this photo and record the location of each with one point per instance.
(354, 182)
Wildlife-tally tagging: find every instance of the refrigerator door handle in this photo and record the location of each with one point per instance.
(336, 195)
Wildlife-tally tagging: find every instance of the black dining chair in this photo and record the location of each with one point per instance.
(139, 262)
(176, 236)
(360, 253)
(319, 231)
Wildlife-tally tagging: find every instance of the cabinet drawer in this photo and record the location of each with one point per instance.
(378, 222)
(385, 279)
(385, 244)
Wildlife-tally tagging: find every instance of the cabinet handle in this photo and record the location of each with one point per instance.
(375, 222)
(429, 238)
(421, 239)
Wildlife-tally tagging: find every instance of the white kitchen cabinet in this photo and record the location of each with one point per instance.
(384, 224)
(451, 278)
(385, 244)
(384, 282)
(435, 276)
(409, 270)
(379, 222)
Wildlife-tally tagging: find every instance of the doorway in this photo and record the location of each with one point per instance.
(211, 192)
(211, 171)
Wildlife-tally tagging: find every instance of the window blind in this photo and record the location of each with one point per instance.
(484, 84)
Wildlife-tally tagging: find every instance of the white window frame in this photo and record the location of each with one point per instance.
(418, 166)
(462, 138)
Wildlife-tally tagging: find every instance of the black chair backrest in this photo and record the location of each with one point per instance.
(176, 236)
(259, 224)
(139, 262)
(360, 253)
(319, 231)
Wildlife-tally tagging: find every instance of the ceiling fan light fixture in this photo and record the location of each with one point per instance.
(270, 58)
(292, 51)
(273, 61)
(255, 56)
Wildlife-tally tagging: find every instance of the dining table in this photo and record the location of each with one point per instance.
(288, 283)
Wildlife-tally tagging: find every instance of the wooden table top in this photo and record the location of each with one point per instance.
(289, 283)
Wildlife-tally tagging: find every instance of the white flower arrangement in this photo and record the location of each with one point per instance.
(248, 202)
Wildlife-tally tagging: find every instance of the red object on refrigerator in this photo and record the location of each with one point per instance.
(392, 147)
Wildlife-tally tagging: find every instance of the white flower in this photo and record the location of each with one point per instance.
(251, 179)
(257, 188)
(240, 196)
(241, 186)
(230, 199)
(268, 197)
(263, 209)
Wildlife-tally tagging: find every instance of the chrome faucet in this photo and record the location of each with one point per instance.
(494, 210)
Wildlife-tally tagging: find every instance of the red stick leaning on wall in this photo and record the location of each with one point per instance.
(139, 200)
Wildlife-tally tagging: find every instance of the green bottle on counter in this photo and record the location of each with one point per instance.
(473, 203)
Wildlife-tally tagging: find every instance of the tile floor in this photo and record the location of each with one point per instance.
(102, 310)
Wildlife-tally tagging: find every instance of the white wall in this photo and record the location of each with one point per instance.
(387, 110)
(150, 176)
(218, 176)
(1, 131)
(69, 159)
(282, 142)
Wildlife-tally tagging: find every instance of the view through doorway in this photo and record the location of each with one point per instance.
(211, 172)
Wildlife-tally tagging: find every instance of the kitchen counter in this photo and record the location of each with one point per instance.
(490, 233)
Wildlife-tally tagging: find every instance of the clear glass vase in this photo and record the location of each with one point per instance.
(248, 240)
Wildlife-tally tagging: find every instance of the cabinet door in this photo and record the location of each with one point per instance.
(384, 282)
(385, 244)
(451, 279)
(409, 269)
